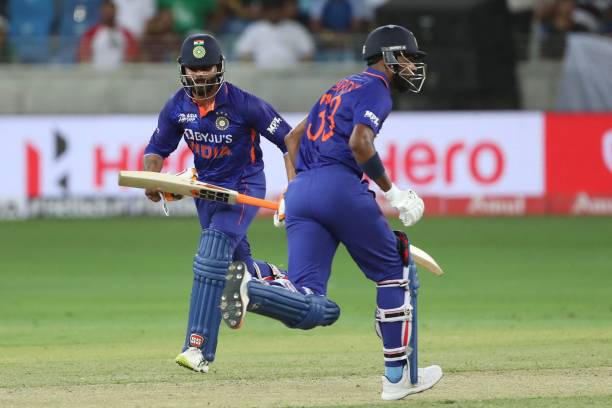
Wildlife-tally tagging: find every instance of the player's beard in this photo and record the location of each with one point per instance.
(199, 91)
(399, 84)
(203, 90)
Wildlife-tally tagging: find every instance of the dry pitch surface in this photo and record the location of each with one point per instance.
(93, 314)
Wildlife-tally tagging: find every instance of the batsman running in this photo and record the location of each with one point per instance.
(328, 203)
(222, 125)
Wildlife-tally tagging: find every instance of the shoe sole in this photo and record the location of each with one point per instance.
(235, 298)
(183, 362)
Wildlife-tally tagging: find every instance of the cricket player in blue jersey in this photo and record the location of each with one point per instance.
(222, 125)
(328, 203)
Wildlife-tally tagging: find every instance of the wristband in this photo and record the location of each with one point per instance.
(373, 167)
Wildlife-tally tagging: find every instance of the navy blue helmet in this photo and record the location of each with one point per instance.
(201, 52)
(388, 43)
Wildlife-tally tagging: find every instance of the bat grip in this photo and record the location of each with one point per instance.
(257, 202)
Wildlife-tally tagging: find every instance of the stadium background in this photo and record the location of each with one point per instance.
(510, 144)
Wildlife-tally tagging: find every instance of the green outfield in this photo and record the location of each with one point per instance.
(92, 313)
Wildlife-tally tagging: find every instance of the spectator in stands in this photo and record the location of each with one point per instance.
(559, 18)
(106, 45)
(304, 11)
(160, 42)
(277, 41)
(554, 21)
(190, 15)
(340, 16)
(134, 14)
(336, 23)
(3, 8)
(232, 16)
(5, 52)
(588, 13)
(606, 22)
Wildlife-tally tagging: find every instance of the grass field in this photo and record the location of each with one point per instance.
(92, 313)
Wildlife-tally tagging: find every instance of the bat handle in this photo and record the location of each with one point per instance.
(257, 202)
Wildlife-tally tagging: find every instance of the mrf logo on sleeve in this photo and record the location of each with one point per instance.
(373, 118)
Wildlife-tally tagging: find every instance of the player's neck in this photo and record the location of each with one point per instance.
(381, 67)
(204, 102)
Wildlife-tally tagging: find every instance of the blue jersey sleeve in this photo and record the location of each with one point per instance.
(372, 108)
(267, 121)
(168, 134)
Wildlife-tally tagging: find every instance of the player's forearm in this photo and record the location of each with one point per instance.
(382, 180)
(362, 146)
(289, 168)
(153, 162)
(292, 141)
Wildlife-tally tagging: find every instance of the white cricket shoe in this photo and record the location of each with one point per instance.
(193, 359)
(428, 377)
(235, 297)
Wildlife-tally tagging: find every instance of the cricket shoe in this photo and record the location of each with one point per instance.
(428, 377)
(235, 297)
(193, 359)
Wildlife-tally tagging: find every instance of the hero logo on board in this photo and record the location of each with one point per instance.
(56, 167)
(421, 163)
(34, 164)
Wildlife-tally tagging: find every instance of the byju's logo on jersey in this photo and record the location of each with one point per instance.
(274, 125)
(222, 123)
(187, 117)
(373, 118)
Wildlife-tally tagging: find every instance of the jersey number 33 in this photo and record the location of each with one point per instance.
(329, 105)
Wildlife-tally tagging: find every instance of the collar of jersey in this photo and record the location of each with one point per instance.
(378, 74)
(219, 100)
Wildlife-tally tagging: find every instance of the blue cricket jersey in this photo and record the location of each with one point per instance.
(361, 98)
(225, 139)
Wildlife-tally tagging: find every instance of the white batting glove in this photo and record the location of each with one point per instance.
(410, 206)
(190, 173)
(279, 215)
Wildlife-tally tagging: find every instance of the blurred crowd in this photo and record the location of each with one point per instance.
(556, 18)
(110, 32)
(270, 33)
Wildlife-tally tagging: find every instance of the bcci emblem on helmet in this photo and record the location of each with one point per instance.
(199, 51)
(222, 123)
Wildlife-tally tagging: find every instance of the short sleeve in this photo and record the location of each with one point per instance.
(372, 108)
(266, 121)
(167, 135)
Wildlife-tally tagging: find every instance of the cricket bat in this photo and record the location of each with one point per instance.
(170, 183)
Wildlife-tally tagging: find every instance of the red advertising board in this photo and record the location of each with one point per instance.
(579, 163)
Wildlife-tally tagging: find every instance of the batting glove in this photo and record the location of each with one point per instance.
(189, 173)
(279, 215)
(410, 206)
